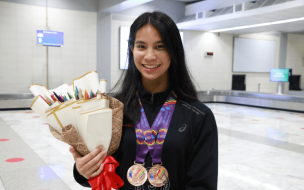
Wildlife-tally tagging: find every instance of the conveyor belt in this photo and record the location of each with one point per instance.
(282, 102)
(16, 100)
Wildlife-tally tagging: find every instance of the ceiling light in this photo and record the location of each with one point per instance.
(259, 25)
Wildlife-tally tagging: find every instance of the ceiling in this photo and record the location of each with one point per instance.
(284, 11)
(188, 2)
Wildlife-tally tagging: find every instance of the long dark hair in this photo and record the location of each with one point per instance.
(179, 77)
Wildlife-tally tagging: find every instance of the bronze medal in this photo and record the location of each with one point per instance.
(137, 175)
(158, 175)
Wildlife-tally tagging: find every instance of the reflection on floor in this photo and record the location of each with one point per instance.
(258, 149)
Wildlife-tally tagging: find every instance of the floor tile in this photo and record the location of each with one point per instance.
(32, 178)
(1, 185)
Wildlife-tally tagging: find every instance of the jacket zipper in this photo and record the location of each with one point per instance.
(152, 99)
(152, 102)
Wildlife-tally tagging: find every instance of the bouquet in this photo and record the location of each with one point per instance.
(82, 116)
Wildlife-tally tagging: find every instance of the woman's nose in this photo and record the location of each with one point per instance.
(150, 55)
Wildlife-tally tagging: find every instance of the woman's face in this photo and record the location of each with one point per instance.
(150, 55)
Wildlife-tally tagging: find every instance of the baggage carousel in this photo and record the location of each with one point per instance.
(264, 100)
(16, 100)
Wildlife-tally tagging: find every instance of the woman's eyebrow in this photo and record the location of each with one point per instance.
(140, 42)
(158, 42)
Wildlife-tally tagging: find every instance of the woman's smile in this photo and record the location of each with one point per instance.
(149, 67)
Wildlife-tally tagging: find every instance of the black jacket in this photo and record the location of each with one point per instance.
(190, 150)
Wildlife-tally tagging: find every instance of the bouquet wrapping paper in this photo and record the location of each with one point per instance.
(103, 85)
(39, 106)
(64, 115)
(39, 89)
(88, 81)
(69, 131)
(94, 131)
(51, 108)
(85, 123)
(70, 136)
(42, 90)
(93, 103)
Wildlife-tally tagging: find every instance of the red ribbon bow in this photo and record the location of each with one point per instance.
(107, 178)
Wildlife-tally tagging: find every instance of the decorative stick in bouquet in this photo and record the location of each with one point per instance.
(86, 122)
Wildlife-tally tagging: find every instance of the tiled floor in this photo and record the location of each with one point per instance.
(258, 149)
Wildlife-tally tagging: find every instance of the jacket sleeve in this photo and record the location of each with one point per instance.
(202, 172)
(80, 179)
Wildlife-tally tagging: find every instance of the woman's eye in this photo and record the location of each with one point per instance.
(141, 47)
(160, 47)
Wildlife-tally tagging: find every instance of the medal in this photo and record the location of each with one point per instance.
(151, 139)
(158, 175)
(137, 175)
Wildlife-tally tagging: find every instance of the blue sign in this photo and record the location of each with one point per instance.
(49, 38)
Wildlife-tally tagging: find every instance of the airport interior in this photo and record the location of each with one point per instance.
(246, 59)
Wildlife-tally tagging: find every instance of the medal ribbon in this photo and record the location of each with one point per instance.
(152, 139)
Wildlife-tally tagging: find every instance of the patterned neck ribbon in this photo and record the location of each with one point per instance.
(152, 139)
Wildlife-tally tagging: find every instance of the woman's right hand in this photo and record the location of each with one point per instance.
(91, 164)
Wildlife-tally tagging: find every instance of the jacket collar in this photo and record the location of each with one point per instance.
(153, 99)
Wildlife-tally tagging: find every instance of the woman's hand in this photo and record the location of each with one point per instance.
(91, 164)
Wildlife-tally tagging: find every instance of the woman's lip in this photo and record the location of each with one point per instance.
(151, 65)
(150, 69)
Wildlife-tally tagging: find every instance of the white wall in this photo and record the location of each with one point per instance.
(103, 64)
(295, 55)
(116, 23)
(209, 73)
(253, 79)
(23, 63)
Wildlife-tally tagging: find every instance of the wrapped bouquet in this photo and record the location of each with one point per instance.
(82, 116)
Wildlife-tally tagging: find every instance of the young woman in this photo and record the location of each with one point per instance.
(168, 133)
